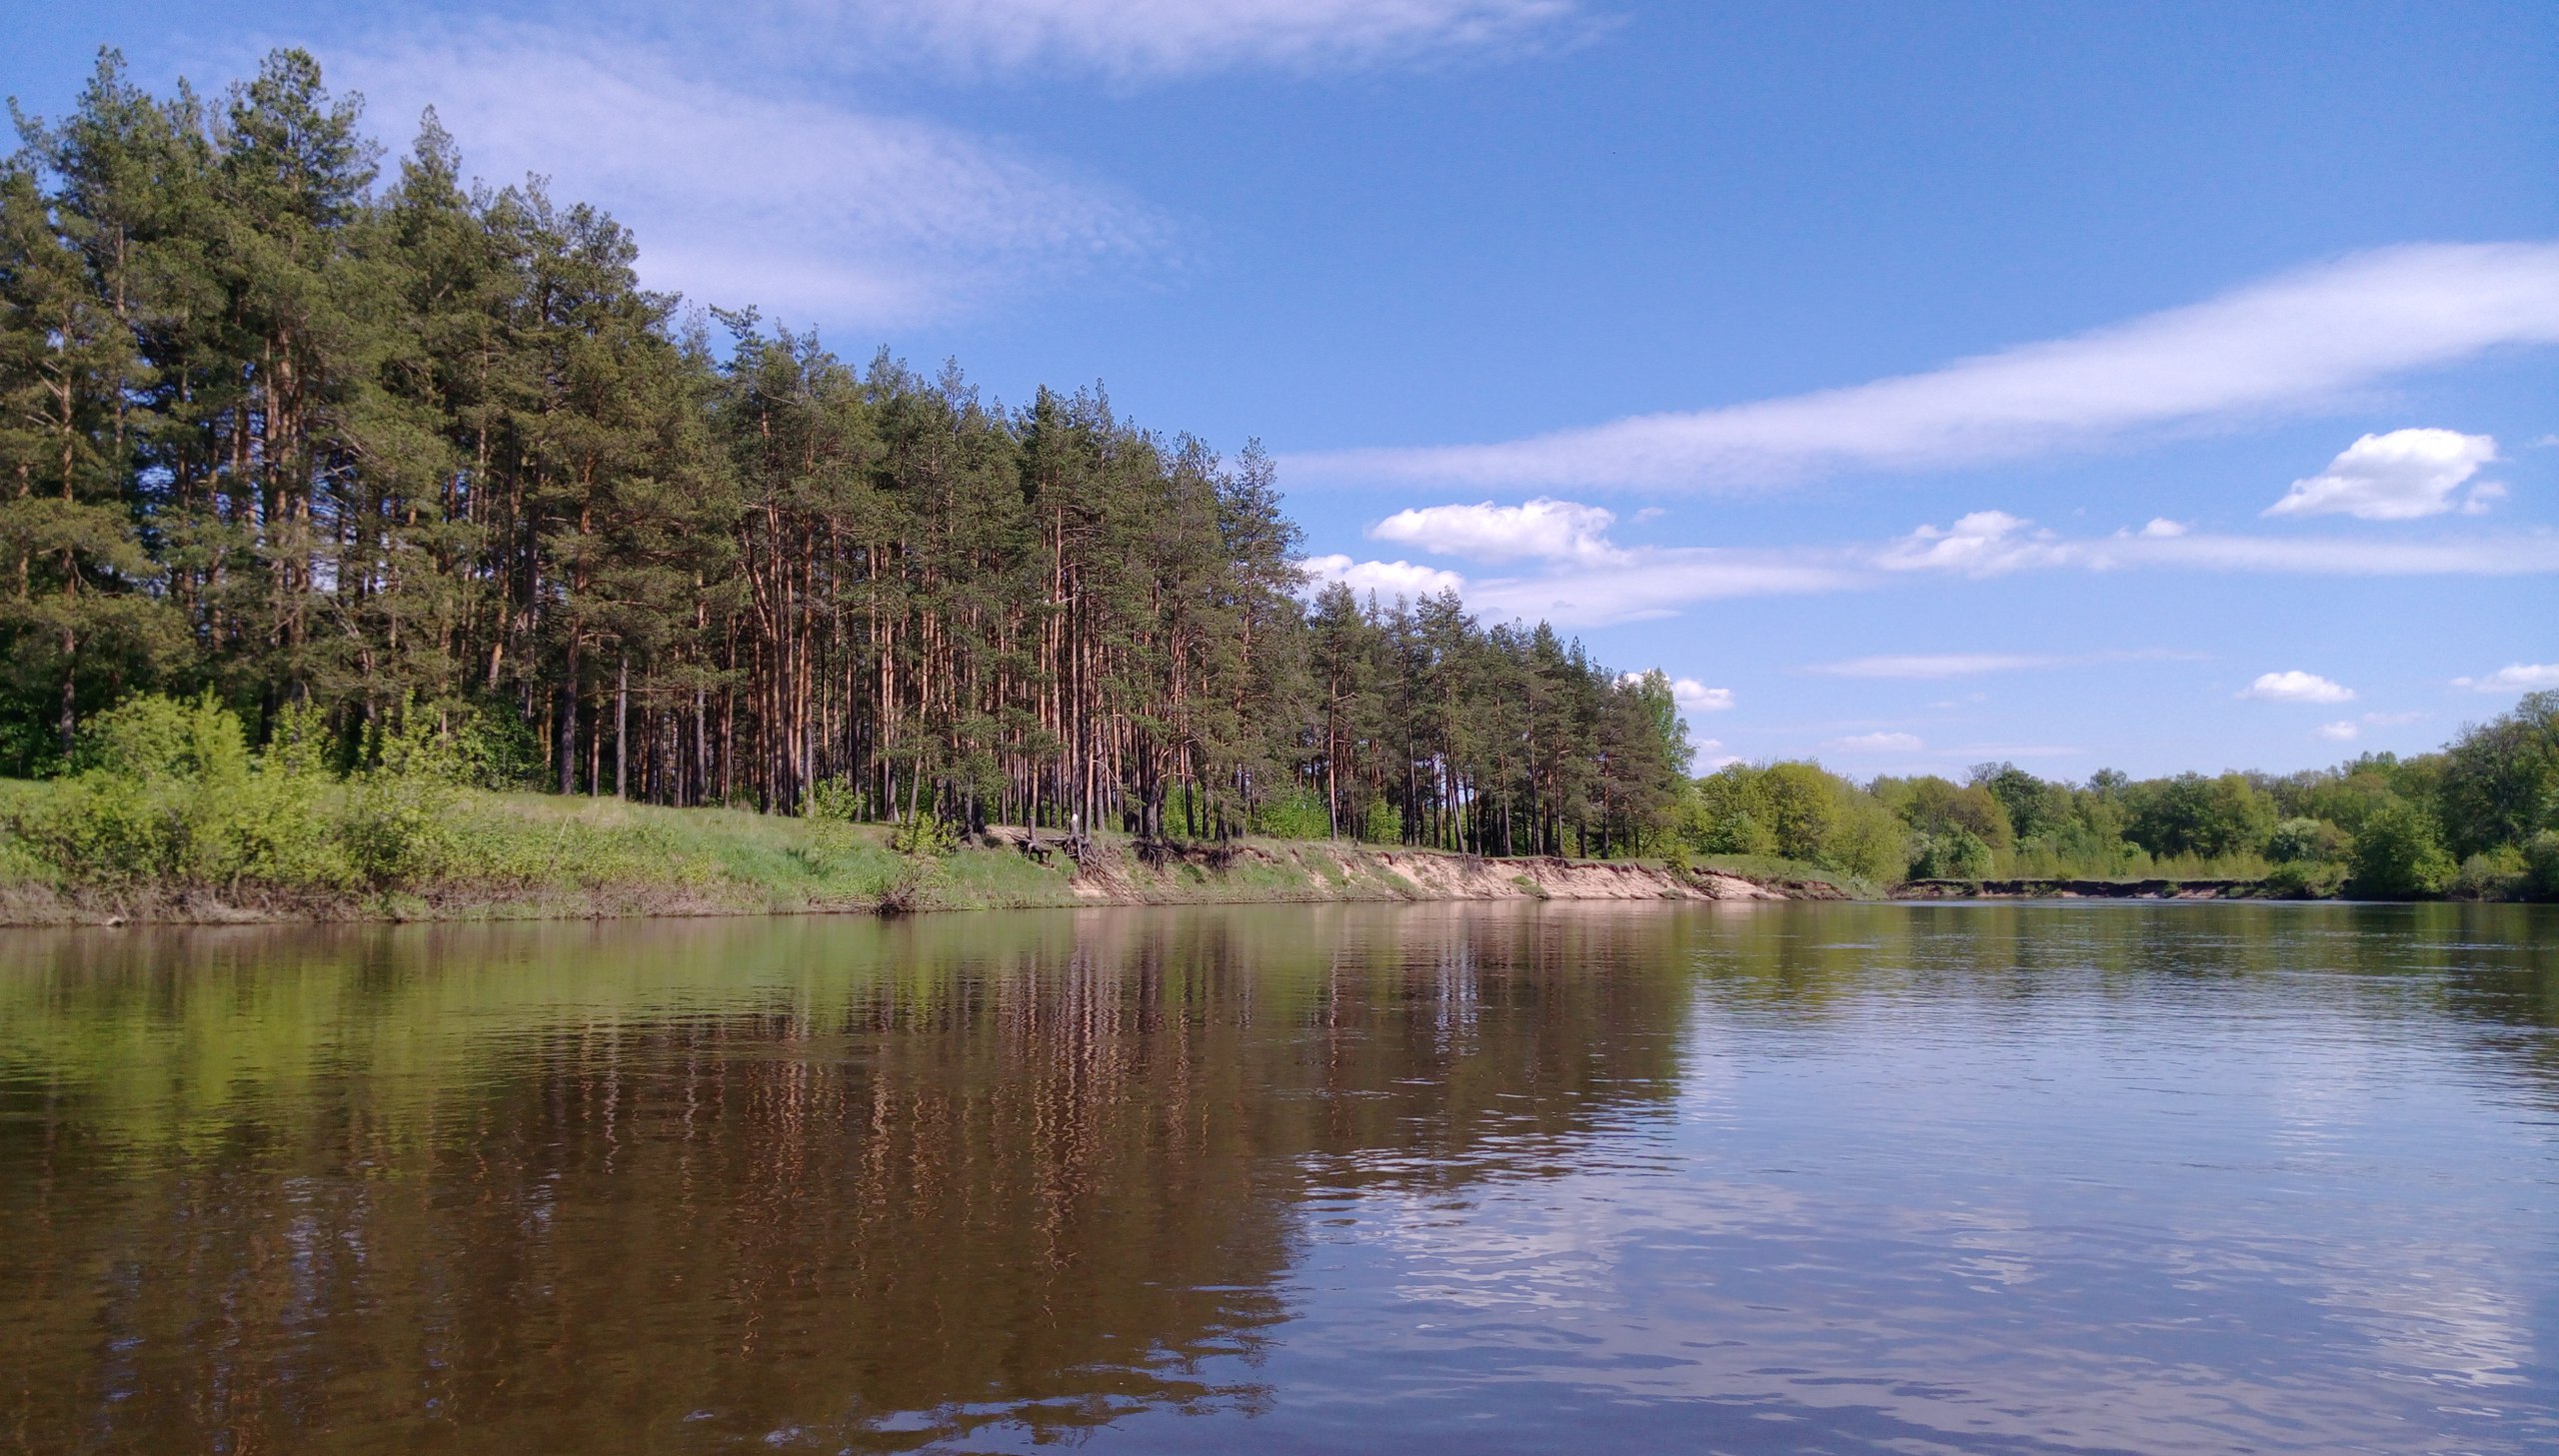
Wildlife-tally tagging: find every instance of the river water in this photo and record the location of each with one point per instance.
(1803, 1177)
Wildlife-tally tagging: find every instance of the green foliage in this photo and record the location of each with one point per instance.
(1382, 824)
(2500, 780)
(2307, 878)
(1951, 854)
(2494, 875)
(1721, 814)
(835, 801)
(167, 795)
(395, 822)
(925, 836)
(2306, 841)
(1295, 816)
(2205, 818)
(492, 747)
(1796, 811)
(2396, 855)
(2541, 865)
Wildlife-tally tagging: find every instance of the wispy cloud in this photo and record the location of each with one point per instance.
(1932, 667)
(2514, 678)
(2294, 343)
(1993, 543)
(1658, 583)
(2295, 686)
(752, 194)
(2343, 730)
(1923, 666)
(1655, 582)
(1132, 40)
(2400, 476)
(1879, 742)
(1554, 530)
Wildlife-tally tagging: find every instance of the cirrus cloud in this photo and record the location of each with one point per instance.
(744, 194)
(1135, 39)
(2295, 343)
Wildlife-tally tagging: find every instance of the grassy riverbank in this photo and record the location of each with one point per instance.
(533, 856)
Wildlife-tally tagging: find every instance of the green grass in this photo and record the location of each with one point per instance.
(1771, 868)
(521, 855)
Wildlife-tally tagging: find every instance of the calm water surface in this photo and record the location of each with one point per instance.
(1910, 1178)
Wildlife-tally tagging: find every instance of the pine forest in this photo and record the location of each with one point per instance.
(310, 433)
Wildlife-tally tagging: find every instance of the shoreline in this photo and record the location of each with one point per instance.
(1001, 872)
(987, 876)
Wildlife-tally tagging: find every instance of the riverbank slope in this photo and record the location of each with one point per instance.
(525, 855)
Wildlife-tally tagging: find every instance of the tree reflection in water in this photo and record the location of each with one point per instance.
(597, 1188)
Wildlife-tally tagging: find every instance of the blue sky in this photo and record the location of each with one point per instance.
(2153, 386)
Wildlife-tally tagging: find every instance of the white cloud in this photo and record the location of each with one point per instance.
(1133, 39)
(1555, 529)
(1983, 543)
(2400, 476)
(1697, 697)
(752, 194)
(2298, 342)
(2162, 526)
(1389, 579)
(2514, 678)
(1880, 743)
(2341, 732)
(2296, 686)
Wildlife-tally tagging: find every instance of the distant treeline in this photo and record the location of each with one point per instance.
(315, 444)
(2479, 819)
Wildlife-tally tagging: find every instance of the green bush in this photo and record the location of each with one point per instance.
(1951, 854)
(396, 822)
(167, 794)
(1382, 824)
(2298, 840)
(1294, 817)
(2541, 865)
(835, 801)
(925, 837)
(2306, 880)
(2496, 874)
(2396, 855)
